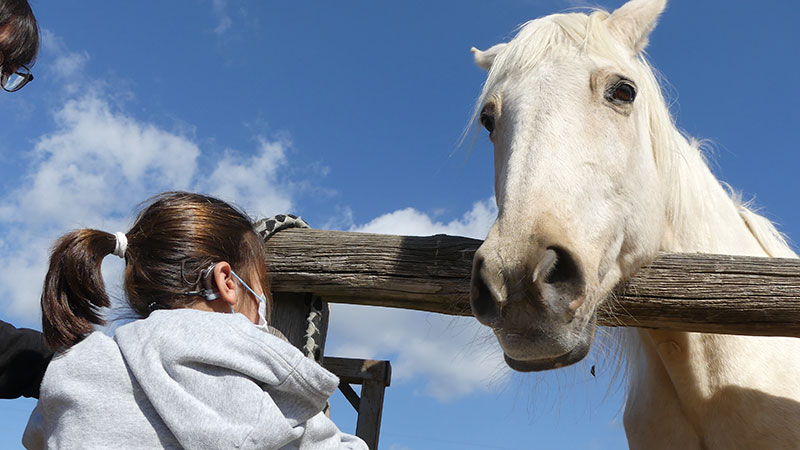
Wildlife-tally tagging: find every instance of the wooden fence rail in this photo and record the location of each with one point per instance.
(690, 292)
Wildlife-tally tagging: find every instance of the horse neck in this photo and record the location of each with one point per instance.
(685, 372)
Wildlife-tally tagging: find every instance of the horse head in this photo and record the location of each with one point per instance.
(570, 104)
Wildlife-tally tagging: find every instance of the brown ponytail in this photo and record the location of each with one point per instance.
(175, 237)
(73, 287)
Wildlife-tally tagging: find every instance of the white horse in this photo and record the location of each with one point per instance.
(592, 179)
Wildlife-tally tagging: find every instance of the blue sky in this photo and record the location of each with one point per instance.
(349, 114)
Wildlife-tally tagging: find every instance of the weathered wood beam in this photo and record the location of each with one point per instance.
(690, 292)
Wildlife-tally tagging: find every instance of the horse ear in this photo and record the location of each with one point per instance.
(634, 21)
(484, 59)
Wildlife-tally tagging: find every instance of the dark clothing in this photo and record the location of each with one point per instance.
(23, 359)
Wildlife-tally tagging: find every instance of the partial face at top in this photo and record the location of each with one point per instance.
(19, 43)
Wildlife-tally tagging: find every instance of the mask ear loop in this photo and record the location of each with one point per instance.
(209, 293)
(262, 299)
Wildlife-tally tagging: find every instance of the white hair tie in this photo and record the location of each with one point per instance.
(122, 244)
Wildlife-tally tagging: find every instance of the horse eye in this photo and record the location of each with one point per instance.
(622, 92)
(487, 120)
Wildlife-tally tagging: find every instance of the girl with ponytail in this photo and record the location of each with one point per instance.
(197, 369)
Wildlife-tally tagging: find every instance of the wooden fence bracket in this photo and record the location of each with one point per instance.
(374, 377)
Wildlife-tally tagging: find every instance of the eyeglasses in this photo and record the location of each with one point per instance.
(14, 81)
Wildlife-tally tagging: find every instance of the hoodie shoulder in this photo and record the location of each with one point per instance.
(89, 383)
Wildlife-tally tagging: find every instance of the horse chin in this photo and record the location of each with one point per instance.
(571, 357)
(537, 354)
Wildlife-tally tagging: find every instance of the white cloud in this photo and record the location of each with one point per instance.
(64, 65)
(252, 181)
(452, 356)
(99, 162)
(410, 222)
(224, 20)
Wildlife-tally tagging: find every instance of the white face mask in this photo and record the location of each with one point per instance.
(262, 305)
(262, 316)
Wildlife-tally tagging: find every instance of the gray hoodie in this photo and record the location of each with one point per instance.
(185, 378)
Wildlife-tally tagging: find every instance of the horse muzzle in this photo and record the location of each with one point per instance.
(535, 304)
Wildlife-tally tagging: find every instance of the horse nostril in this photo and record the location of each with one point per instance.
(484, 307)
(558, 281)
(565, 270)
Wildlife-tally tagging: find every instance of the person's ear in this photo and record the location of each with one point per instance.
(223, 282)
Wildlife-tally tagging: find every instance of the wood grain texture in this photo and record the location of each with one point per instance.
(690, 292)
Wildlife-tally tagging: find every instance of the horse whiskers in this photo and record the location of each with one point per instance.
(610, 310)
